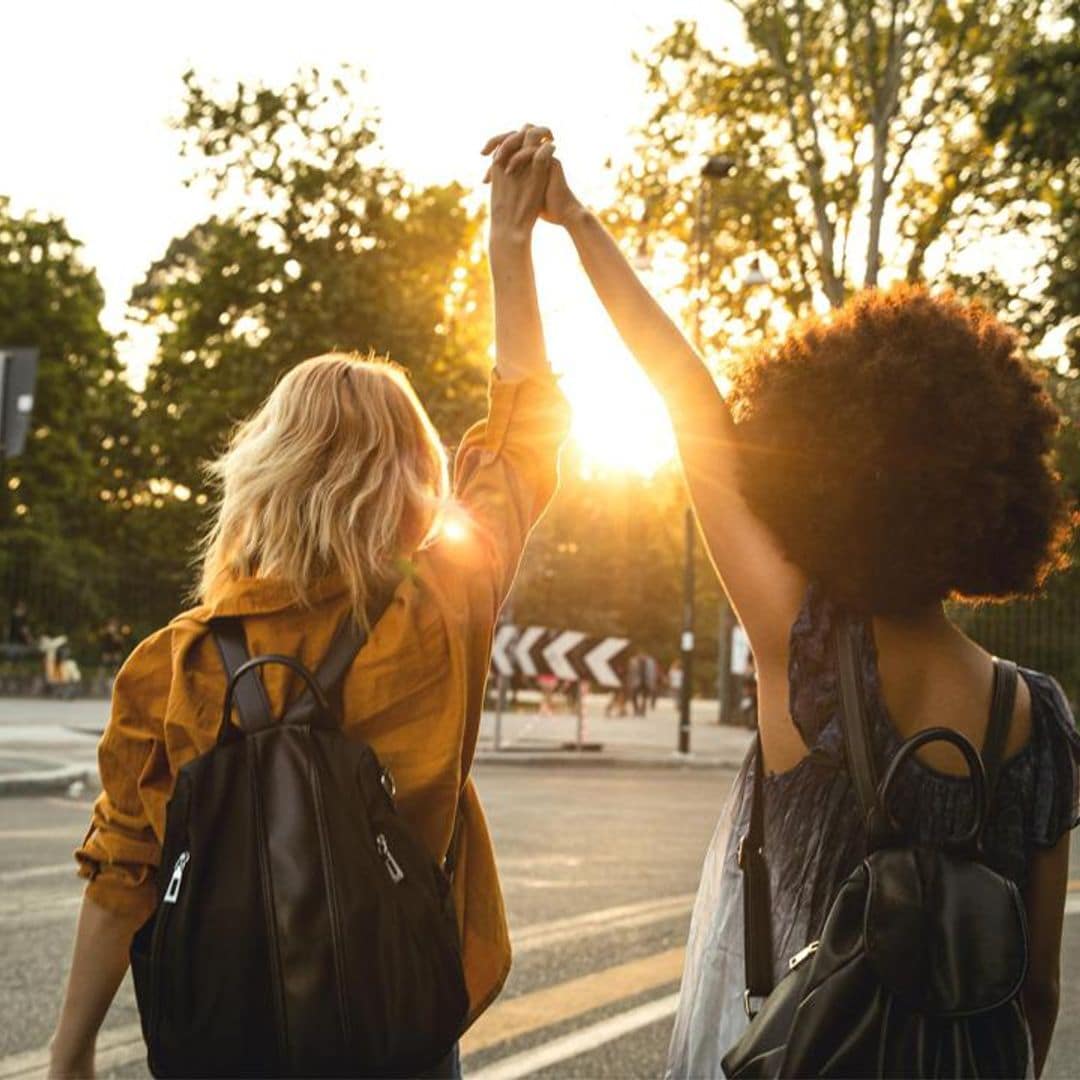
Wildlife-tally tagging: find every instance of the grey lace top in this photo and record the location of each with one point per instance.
(813, 838)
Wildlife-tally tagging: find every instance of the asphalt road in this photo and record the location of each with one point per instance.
(598, 866)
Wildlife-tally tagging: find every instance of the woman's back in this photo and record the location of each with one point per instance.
(813, 829)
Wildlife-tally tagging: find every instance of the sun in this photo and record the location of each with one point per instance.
(619, 420)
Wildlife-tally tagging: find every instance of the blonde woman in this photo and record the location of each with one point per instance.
(334, 489)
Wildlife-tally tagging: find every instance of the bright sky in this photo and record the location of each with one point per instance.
(88, 89)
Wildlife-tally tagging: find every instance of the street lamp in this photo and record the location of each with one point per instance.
(716, 167)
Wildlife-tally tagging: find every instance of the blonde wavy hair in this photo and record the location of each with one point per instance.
(340, 471)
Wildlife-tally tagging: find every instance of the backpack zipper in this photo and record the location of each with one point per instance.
(393, 867)
(173, 889)
(157, 943)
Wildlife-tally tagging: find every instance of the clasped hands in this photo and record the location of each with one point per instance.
(527, 182)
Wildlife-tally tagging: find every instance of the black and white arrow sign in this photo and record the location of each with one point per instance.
(501, 659)
(599, 658)
(567, 654)
(527, 648)
(556, 655)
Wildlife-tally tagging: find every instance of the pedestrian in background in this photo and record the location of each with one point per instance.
(19, 632)
(112, 645)
(861, 472)
(675, 679)
(332, 493)
(639, 688)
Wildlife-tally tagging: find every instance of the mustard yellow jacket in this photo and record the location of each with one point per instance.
(415, 693)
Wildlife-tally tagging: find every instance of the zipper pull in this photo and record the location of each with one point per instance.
(393, 868)
(173, 891)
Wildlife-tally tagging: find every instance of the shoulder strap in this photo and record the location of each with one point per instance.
(757, 909)
(348, 640)
(854, 722)
(250, 696)
(1002, 702)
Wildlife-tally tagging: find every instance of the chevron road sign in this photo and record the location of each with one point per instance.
(501, 660)
(567, 654)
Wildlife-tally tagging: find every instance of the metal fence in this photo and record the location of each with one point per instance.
(1043, 634)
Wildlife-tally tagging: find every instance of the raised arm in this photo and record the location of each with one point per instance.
(763, 586)
(506, 469)
(516, 198)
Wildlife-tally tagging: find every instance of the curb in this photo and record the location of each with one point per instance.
(47, 781)
(574, 759)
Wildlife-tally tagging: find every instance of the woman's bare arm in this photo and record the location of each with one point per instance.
(517, 194)
(1044, 900)
(765, 589)
(98, 965)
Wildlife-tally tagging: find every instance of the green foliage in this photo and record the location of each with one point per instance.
(315, 245)
(855, 130)
(57, 534)
(1037, 118)
(607, 559)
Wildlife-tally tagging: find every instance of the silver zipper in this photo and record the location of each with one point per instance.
(803, 954)
(173, 891)
(393, 868)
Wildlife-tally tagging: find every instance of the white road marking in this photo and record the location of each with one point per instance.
(116, 1048)
(1072, 905)
(31, 872)
(624, 917)
(42, 834)
(577, 1042)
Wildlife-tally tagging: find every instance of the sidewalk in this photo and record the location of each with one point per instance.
(46, 746)
(651, 740)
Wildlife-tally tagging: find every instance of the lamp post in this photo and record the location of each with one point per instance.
(716, 167)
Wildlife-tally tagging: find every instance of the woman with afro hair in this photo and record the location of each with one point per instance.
(875, 464)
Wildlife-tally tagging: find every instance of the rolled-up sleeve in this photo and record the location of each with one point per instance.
(507, 469)
(122, 850)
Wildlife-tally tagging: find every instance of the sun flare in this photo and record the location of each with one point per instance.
(619, 421)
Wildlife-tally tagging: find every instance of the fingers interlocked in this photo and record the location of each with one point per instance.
(514, 150)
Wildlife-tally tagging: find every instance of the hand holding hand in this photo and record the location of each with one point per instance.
(517, 150)
(518, 174)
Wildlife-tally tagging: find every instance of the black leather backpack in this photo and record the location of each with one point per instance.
(301, 929)
(924, 951)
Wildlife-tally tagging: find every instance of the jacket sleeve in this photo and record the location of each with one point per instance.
(505, 474)
(122, 850)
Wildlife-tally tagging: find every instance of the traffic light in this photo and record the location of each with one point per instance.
(18, 374)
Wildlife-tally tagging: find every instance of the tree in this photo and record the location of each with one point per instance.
(1036, 116)
(315, 244)
(57, 533)
(856, 131)
(617, 540)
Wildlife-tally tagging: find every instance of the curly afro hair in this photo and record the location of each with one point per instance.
(900, 452)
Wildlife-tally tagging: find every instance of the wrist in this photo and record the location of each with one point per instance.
(577, 218)
(509, 241)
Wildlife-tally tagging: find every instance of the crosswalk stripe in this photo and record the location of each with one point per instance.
(518, 1016)
(577, 1042)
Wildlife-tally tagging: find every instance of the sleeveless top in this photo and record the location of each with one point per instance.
(813, 834)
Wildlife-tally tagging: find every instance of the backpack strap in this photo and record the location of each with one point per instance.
(854, 723)
(349, 638)
(757, 909)
(1002, 702)
(252, 704)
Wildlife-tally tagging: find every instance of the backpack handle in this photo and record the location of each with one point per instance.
(273, 658)
(972, 839)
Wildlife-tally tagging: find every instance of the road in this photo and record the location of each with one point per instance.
(598, 866)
